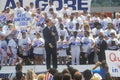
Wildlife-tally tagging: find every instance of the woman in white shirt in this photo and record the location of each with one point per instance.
(39, 50)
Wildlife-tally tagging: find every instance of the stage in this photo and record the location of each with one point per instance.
(6, 70)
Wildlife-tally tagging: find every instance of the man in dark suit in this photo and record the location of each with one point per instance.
(102, 48)
(50, 33)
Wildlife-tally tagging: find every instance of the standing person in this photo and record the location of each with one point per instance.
(101, 46)
(12, 44)
(50, 44)
(4, 49)
(75, 43)
(62, 46)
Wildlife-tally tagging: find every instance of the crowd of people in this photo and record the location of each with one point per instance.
(60, 34)
(68, 73)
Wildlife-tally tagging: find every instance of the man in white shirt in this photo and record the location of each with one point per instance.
(50, 5)
(18, 9)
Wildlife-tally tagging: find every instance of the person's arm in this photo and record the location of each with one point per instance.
(96, 65)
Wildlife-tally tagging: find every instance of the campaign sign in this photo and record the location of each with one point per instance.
(113, 61)
(40, 20)
(22, 19)
(2, 18)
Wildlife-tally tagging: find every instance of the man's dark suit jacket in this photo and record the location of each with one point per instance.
(103, 47)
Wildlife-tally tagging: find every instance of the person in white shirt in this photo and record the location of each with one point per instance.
(98, 29)
(38, 49)
(50, 5)
(75, 43)
(63, 32)
(10, 32)
(65, 20)
(71, 24)
(110, 28)
(9, 14)
(12, 44)
(62, 45)
(86, 47)
(104, 20)
(4, 48)
(50, 13)
(78, 19)
(32, 9)
(112, 42)
(116, 22)
(24, 46)
(18, 9)
(17, 12)
(80, 32)
(65, 10)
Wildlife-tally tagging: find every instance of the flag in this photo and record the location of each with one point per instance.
(48, 76)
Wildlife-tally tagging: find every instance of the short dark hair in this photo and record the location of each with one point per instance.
(18, 67)
(87, 74)
(52, 71)
(51, 9)
(66, 76)
(58, 76)
(31, 3)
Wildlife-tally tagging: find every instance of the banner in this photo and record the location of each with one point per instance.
(73, 4)
(2, 18)
(113, 61)
(22, 19)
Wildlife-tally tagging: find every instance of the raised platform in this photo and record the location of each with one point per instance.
(6, 70)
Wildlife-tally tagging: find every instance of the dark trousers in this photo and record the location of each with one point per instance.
(91, 58)
(83, 59)
(101, 56)
(51, 53)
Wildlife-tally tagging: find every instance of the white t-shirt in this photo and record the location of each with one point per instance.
(25, 44)
(86, 44)
(109, 42)
(63, 33)
(13, 46)
(116, 23)
(18, 10)
(96, 31)
(71, 25)
(38, 45)
(108, 32)
(3, 47)
(75, 42)
(62, 52)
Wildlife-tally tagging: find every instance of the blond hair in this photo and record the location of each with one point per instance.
(41, 77)
(30, 75)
